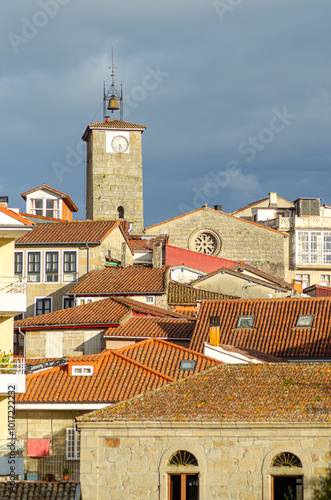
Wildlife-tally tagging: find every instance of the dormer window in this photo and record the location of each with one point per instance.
(82, 370)
(245, 322)
(45, 207)
(305, 320)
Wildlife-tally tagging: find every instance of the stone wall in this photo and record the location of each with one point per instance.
(234, 460)
(236, 239)
(114, 180)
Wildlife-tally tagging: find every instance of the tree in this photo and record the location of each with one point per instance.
(323, 490)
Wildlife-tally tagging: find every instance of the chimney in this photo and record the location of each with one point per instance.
(157, 254)
(214, 330)
(3, 201)
(123, 255)
(273, 199)
(218, 207)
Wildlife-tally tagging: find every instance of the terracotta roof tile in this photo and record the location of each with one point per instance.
(274, 329)
(270, 392)
(147, 309)
(106, 312)
(40, 490)
(16, 216)
(111, 125)
(164, 328)
(123, 280)
(115, 377)
(165, 357)
(75, 232)
(180, 294)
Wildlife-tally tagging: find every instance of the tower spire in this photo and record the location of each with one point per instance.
(113, 94)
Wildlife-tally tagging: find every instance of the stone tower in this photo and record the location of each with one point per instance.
(114, 177)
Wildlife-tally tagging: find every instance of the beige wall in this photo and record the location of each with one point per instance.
(6, 257)
(97, 259)
(240, 240)
(238, 287)
(73, 342)
(234, 461)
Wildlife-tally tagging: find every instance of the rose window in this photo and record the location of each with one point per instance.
(205, 243)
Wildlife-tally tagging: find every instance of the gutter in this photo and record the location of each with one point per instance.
(63, 327)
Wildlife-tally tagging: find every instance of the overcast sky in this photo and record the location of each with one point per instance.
(238, 102)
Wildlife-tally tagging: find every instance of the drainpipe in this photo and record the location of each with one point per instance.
(23, 335)
(88, 257)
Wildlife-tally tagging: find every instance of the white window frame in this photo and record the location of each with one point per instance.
(41, 263)
(22, 273)
(63, 273)
(150, 297)
(302, 280)
(72, 444)
(325, 280)
(76, 369)
(81, 301)
(58, 266)
(313, 248)
(42, 298)
(43, 209)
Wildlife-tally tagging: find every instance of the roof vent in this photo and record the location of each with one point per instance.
(187, 364)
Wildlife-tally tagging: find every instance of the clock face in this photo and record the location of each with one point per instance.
(120, 144)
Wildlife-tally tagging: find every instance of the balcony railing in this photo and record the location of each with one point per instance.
(50, 468)
(12, 284)
(12, 366)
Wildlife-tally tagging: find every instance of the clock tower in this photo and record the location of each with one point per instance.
(114, 178)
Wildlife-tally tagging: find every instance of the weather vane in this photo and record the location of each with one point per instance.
(114, 94)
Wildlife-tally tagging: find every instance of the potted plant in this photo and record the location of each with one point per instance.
(66, 473)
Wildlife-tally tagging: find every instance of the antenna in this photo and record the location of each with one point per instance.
(113, 94)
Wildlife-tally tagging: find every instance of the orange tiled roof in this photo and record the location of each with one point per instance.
(105, 312)
(16, 216)
(257, 203)
(164, 328)
(73, 207)
(112, 124)
(184, 294)
(115, 377)
(274, 331)
(242, 266)
(101, 312)
(75, 232)
(123, 280)
(165, 357)
(275, 392)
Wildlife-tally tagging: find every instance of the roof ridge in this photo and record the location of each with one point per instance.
(141, 365)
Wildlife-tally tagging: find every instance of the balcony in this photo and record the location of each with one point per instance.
(12, 375)
(12, 295)
(11, 449)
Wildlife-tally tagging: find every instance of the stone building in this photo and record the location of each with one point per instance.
(248, 432)
(215, 233)
(55, 255)
(114, 181)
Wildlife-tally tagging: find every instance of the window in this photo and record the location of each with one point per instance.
(313, 247)
(305, 320)
(52, 267)
(72, 444)
(304, 279)
(325, 280)
(183, 486)
(120, 211)
(68, 302)
(18, 269)
(34, 266)
(69, 266)
(187, 364)
(245, 322)
(289, 484)
(43, 306)
(45, 207)
(150, 299)
(83, 371)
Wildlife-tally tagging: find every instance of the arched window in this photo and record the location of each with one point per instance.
(289, 483)
(183, 480)
(286, 460)
(120, 212)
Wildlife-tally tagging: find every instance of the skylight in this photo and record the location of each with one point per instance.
(245, 322)
(305, 320)
(187, 364)
(82, 370)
